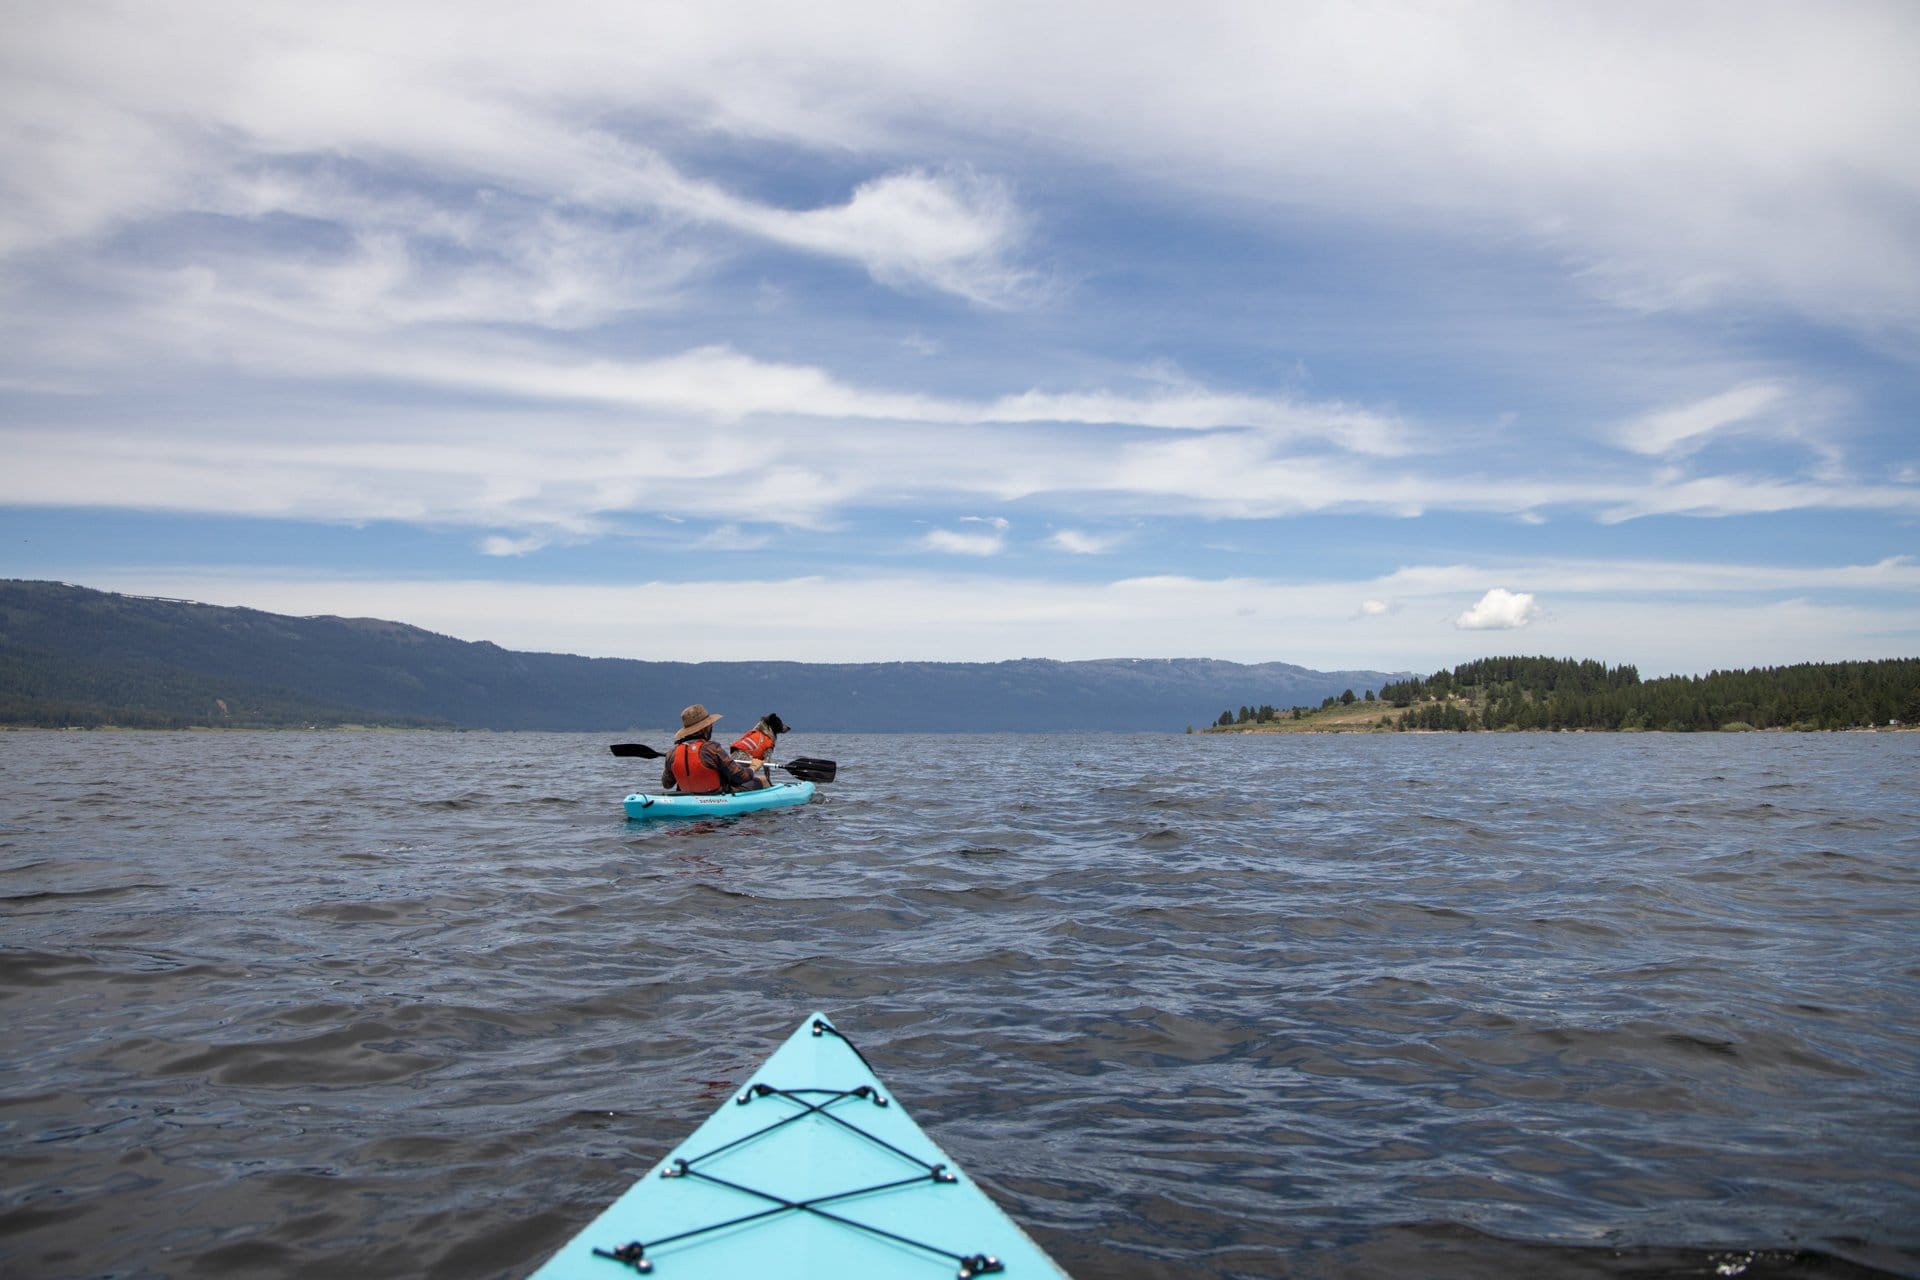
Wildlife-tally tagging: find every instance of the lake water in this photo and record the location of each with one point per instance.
(1396, 1006)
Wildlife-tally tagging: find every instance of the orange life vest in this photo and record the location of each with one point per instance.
(755, 742)
(692, 774)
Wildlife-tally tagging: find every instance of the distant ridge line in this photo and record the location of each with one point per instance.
(74, 655)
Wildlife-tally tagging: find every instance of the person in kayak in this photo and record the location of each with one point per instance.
(697, 766)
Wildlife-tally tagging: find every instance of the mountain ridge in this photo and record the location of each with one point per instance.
(75, 655)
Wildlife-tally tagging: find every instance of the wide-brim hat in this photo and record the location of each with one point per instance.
(693, 720)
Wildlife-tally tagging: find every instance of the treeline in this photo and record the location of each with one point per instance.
(1560, 693)
(1542, 677)
(61, 691)
(1268, 714)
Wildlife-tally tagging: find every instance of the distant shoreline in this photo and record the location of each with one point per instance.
(258, 728)
(1344, 730)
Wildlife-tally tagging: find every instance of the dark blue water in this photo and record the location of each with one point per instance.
(420, 1004)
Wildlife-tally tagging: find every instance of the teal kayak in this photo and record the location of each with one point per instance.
(811, 1172)
(673, 805)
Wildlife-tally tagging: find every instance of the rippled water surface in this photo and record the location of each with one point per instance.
(420, 1004)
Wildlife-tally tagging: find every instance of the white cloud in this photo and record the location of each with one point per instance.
(955, 232)
(1196, 408)
(1081, 543)
(390, 254)
(731, 537)
(990, 542)
(1499, 610)
(499, 545)
(1375, 608)
(1725, 495)
(1682, 430)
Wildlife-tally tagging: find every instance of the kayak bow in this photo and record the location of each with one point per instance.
(811, 1172)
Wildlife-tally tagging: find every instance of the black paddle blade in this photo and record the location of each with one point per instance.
(809, 769)
(640, 749)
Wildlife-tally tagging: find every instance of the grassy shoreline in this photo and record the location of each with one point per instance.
(1365, 718)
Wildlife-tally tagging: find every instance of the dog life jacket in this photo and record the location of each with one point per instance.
(755, 742)
(692, 774)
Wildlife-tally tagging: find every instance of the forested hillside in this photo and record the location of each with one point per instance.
(60, 691)
(1561, 693)
(1553, 693)
(72, 656)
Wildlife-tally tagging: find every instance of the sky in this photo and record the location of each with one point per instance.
(1349, 334)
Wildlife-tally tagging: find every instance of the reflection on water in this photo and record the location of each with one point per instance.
(1442, 1006)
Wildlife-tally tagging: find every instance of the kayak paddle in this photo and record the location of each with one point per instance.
(805, 768)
